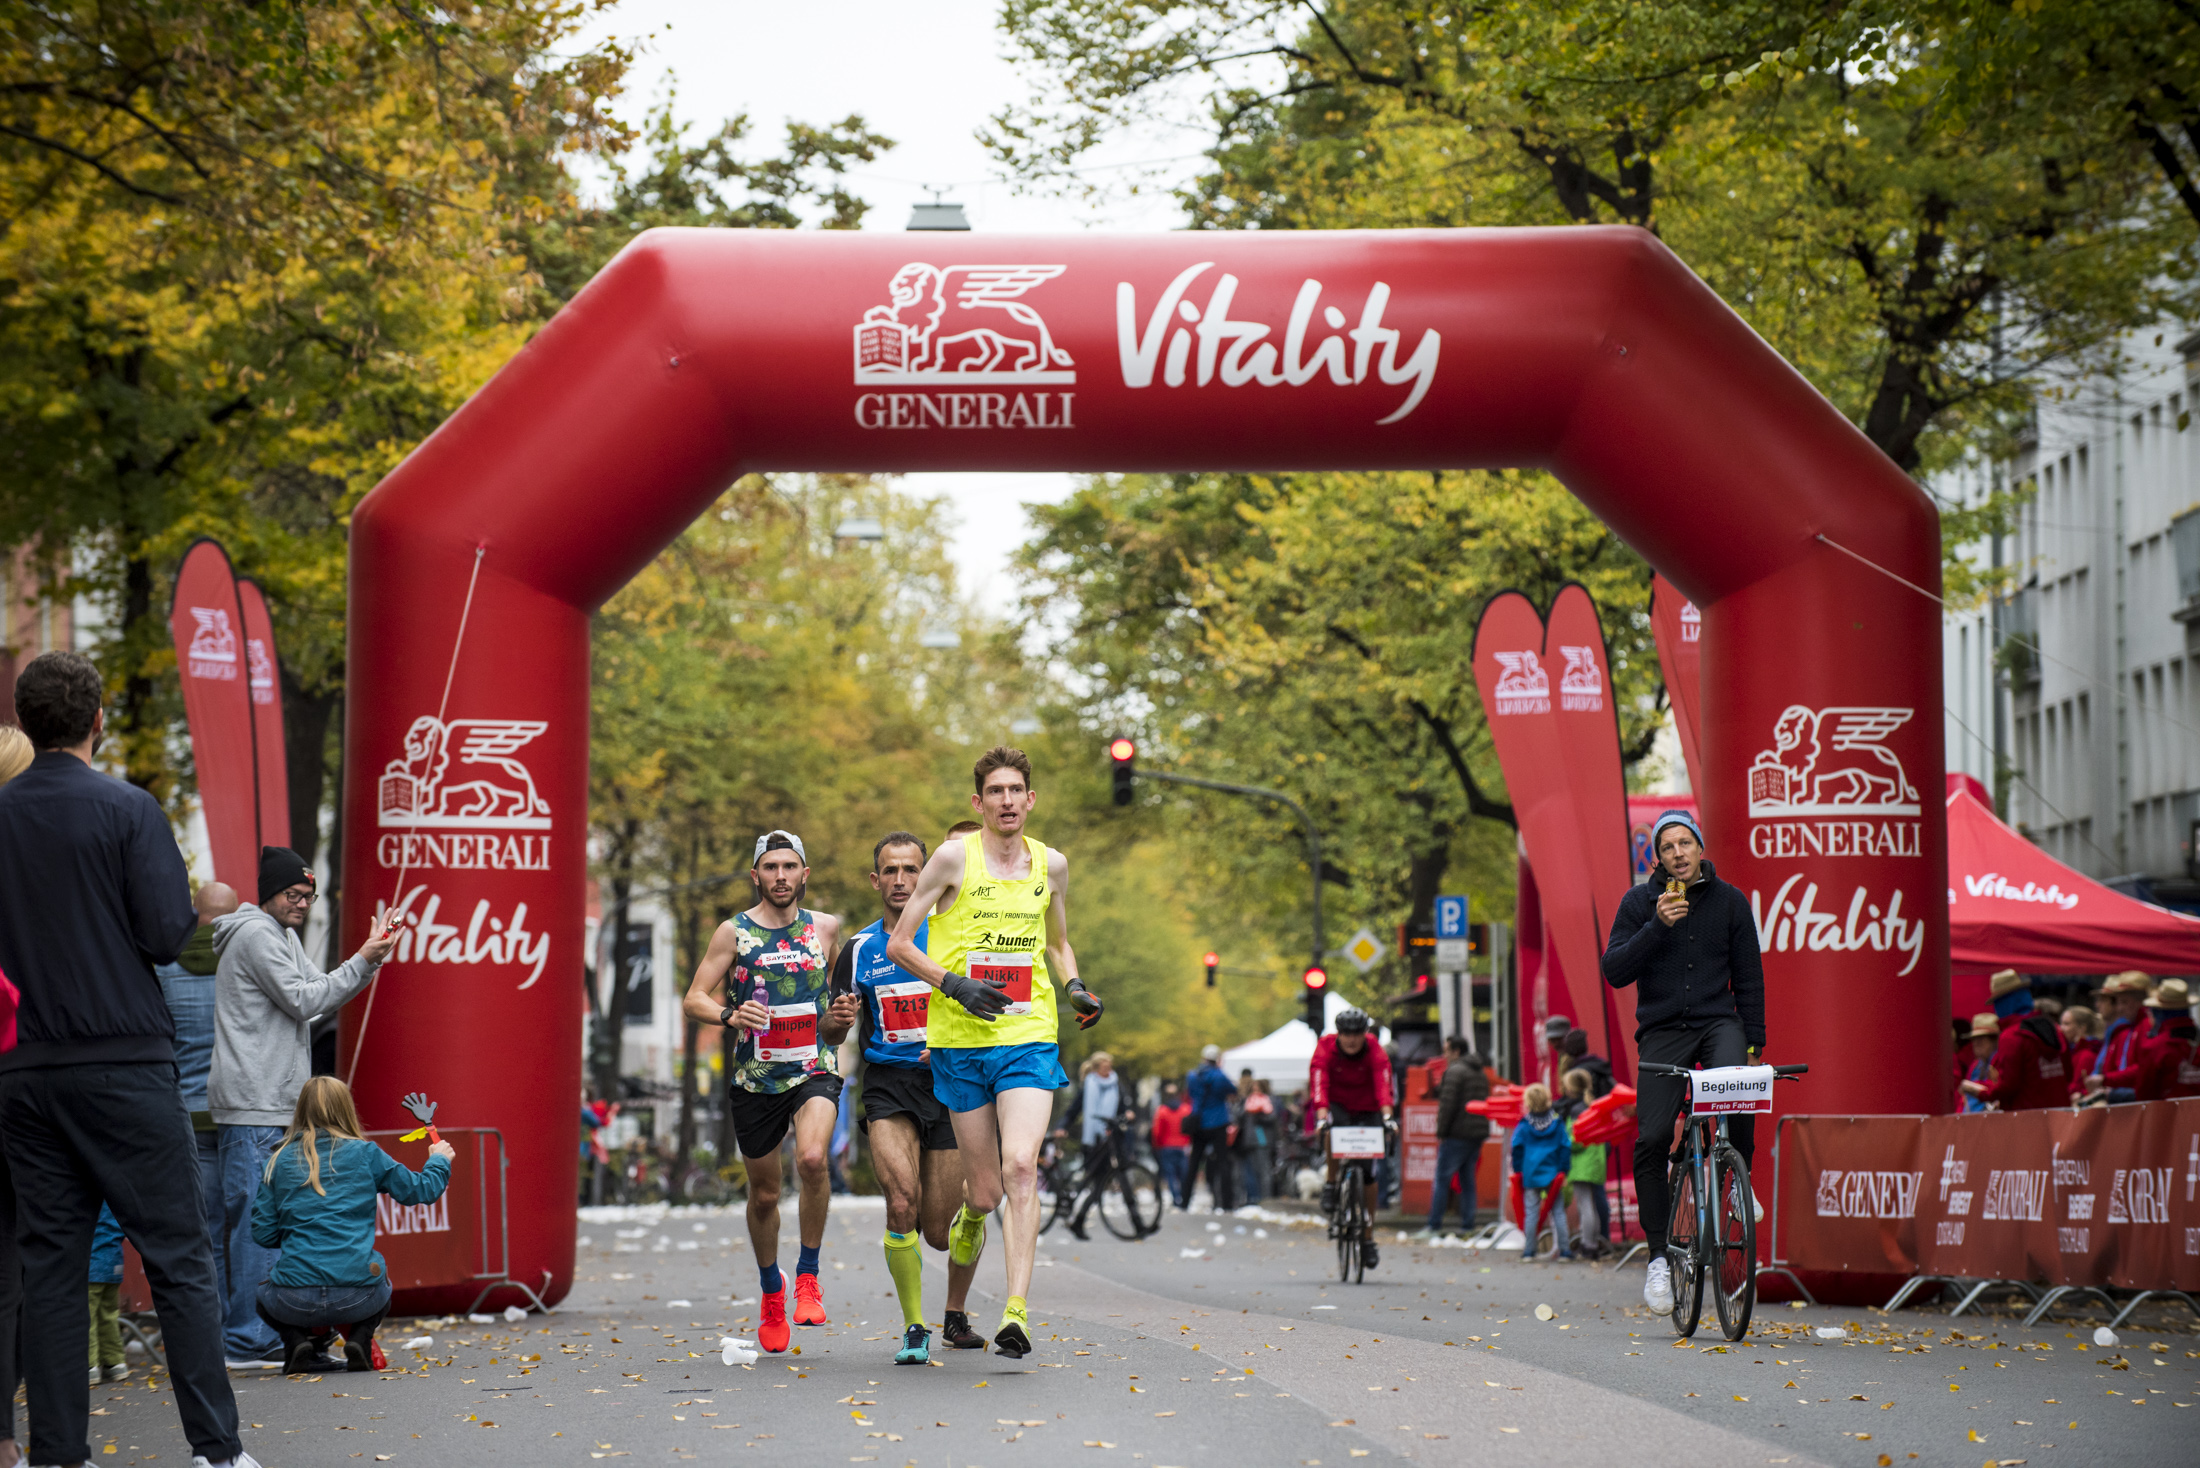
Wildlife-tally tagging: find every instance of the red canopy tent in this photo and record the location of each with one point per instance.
(2011, 905)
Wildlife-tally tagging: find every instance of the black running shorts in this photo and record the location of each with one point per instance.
(906, 1090)
(761, 1119)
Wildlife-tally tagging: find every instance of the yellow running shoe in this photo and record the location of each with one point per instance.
(966, 1236)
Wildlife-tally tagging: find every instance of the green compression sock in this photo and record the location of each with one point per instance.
(906, 1265)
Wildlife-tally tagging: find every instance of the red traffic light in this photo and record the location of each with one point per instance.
(1213, 960)
(1317, 978)
(1122, 751)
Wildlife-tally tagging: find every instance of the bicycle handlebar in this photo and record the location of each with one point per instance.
(1789, 1072)
(1781, 1072)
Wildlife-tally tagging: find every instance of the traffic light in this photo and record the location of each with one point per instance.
(1124, 755)
(1214, 961)
(1316, 995)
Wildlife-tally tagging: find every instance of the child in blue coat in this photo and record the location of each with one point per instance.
(104, 1350)
(316, 1204)
(1542, 1151)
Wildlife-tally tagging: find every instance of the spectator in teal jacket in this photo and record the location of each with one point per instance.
(316, 1204)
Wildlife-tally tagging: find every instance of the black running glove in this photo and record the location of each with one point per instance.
(1086, 1003)
(984, 1001)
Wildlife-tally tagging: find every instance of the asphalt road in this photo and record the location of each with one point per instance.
(1245, 1350)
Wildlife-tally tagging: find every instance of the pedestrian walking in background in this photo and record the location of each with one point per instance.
(93, 893)
(1460, 1134)
(1211, 1093)
(1256, 1131)
(1172, 1143)
(1541, 1153)
(266, 995)
(15, 757)
(103, 1291)
(1099, 1099)
(316, 1209)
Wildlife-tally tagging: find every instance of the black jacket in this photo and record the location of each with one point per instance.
(93, 893)
(1463, 1082)
(1704, 967)
(1600, 1073)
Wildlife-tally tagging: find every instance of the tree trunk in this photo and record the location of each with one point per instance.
(611, 1039)
(306, 720)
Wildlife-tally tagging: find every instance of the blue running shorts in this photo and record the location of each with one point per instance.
(966, 1080)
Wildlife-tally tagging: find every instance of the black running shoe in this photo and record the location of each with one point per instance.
(1012, 1342)
(956, 1332)
(1369, 1255)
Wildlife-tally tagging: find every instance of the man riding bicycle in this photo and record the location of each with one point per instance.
(1689, 942)
(1348, 1084)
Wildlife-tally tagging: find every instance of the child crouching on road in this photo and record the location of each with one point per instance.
(1541, 1153)
(316, 1204)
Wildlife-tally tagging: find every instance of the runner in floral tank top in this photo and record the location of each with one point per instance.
(767, 977)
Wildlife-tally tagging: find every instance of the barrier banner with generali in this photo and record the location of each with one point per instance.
(2102, 1197)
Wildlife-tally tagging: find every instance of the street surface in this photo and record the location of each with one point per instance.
(1208, 1343)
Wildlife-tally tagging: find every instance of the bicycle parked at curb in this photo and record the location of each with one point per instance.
(1713, 1232)
(1357, 1149)
(1127, 1194)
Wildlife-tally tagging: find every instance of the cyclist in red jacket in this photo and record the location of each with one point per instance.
(1348, 1084)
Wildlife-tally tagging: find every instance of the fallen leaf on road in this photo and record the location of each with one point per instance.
(1741, 1399)
(1164, 1414)
(1508, 1429)
(1096, 1443)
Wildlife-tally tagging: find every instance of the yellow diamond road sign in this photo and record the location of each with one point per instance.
(1365, 950)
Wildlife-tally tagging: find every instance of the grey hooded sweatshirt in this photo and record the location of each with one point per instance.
(266, 996)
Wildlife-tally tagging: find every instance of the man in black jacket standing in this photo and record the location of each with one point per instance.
(93, 893)
(1689, 943)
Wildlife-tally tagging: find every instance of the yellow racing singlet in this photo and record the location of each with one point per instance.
(997, 929)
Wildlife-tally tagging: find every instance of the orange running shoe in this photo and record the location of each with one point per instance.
(809, 1305)
(771, 1331)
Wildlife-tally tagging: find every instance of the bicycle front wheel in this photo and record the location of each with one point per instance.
(1051, 1196)
(1734, 1246)
(1683, 1249)
(1130, 1204)
(1351, 1222)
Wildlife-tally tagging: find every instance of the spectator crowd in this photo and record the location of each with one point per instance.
(2135, 1042)
(141, 1022)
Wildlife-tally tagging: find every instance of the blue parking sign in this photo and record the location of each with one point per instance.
(1451, 917)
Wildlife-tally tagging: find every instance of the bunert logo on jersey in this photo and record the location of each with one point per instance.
(1525, 685)
(213, 649)
(962, 327)
(1581, 686)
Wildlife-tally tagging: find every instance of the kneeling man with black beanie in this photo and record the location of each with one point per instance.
(266, 997)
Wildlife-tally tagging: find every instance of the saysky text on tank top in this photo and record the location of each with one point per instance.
(895, 1001)
(995, 931)
(785, 969)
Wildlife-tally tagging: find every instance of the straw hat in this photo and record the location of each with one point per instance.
(2171, 995)
(2130, 981)
(2008, 981)
(1985, 1022)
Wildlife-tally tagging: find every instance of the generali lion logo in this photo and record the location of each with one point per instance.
(262, 670)
(1832, 762)
(962, 325)
(213, 649)
(482, 787)
(1691, 623)
(1525, 685)
(1581, 686)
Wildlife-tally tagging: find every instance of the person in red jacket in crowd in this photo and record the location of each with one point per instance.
(2123, 1006)
(2031, 1060)
(2082, 1028)
(2165, 1054)
(1172, 1144)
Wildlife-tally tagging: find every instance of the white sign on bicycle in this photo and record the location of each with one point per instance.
(1355, 1141)
(1730, 1088)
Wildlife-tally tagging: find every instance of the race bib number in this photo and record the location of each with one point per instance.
(792, 1036)
(1730, 1088)
(902, 1009)
(1012, 968)
(1355, 1141)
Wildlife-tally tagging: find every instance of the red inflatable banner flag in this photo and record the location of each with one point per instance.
(264, 674)
(1547, 695)
(1678, 627)
(206, 622)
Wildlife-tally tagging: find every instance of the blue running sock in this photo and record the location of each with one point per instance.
(807, 1264)
(773, 1282)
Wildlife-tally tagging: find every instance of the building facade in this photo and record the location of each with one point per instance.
(2076, 699)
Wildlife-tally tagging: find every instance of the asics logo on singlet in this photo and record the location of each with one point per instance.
(990, 940)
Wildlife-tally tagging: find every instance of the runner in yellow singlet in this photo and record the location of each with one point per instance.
(998, 941)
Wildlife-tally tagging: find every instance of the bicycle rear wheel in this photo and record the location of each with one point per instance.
(1734, 1245)
(1051, 1197)
(1130, 1204)
(1683, 1250)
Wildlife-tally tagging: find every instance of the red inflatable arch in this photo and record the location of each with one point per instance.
(698, 356)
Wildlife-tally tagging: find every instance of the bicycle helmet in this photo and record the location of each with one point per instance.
(1351, 1022)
